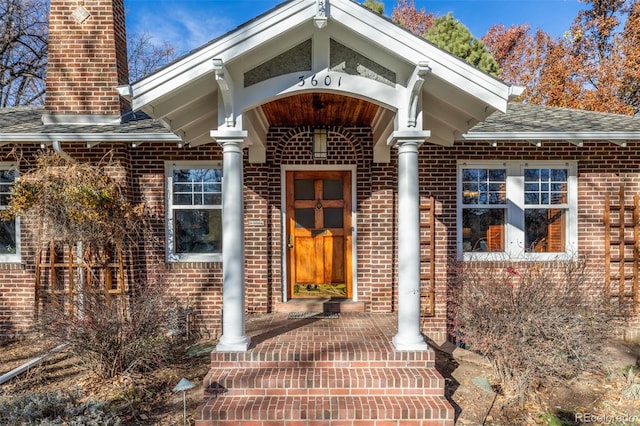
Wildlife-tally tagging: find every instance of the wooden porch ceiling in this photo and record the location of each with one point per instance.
(320, 109)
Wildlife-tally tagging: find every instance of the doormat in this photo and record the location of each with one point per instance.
(313, 315)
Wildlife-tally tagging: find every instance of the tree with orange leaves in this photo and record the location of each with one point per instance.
(594, 66)
(534, 60)
(631, 67)
(417, 21)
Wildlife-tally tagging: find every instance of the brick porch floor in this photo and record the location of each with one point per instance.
(323, 371)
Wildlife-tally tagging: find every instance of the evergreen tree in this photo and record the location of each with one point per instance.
(451, 35)
(376, 6)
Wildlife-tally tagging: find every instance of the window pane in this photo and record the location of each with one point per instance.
(499, 195)
(304, 189)
(544, 197)
(545, 230)
(532, 198)
(497, 175)
(333, 218)
(484, 186)
(7, 237)
(483, 230)
(532, 187)
(470, 193)
(332, 189)
(559, 175)
(474, 175)
(183, 199)
(305, 218)
(532, 175)
(545, 186)
(558, 193)
(544, 175)
(213, 199)
(212, 187)
(7, 227)
(198, 231)
(197, 187)
(7, 177)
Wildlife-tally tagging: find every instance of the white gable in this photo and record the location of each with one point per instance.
(300, 47)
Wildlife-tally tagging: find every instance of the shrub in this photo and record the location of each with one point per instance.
(74, 202)
(535, 322)
(84, 207)
(110, 338)
(53, 409)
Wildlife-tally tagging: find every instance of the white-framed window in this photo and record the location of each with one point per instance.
(194, 211)
(9, 229)
(517, 210)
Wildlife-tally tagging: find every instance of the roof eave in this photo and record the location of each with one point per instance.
(527, 136)
(87, 137)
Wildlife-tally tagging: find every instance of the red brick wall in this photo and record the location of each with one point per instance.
(88, 60)
(16, 300)
(375, 199)
(197, 285)
(602, 167)
(17, 281)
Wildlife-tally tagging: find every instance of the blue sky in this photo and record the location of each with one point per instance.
(188, 24)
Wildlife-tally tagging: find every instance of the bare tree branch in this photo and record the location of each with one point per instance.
(23, 51)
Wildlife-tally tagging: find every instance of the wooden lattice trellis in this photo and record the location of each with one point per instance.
(622, 249)
(427, 258)
(61, 274)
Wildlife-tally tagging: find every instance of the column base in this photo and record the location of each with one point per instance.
(231, 345)
(401, 343)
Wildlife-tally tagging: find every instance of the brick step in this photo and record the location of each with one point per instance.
(325, 381)
(347, 409)
(311, 353)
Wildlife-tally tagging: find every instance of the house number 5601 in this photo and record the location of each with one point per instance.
(327, 81)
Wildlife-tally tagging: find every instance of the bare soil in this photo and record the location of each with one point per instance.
(591, 398)
(147, 399)
(138, 399)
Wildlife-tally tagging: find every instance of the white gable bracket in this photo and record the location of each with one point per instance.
(515, 92)
(620, 142)
(415, 86)
(225, 83)
(320, 20)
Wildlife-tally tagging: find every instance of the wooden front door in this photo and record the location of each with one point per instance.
(319, 234)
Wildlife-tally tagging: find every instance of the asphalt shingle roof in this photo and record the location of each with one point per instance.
(27, 120)
(519, 118)
(525, 118)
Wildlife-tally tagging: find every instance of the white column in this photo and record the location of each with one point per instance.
(233, 322)
(409, 337)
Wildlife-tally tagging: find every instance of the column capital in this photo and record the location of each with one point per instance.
(230, 137)
(401, 138)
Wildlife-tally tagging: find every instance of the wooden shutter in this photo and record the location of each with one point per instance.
(495, 238)
(556, 231)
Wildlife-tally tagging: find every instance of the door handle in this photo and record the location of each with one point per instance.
(290, 244)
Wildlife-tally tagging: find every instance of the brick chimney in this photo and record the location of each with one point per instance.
(87, 61)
